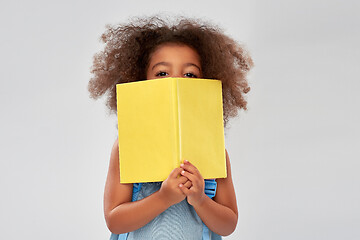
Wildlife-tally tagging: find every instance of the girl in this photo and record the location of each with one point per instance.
(183, 206)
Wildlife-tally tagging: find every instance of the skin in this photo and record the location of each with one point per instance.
(219, 214)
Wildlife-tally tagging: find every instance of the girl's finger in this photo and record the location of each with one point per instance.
(189, 167)
(184, 189)
(174, 173)
(190, 176)
(182, 179)
(188, 184)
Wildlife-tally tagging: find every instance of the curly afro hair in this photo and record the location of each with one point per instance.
(128, 48)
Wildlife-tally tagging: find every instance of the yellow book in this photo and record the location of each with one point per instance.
(164, 121)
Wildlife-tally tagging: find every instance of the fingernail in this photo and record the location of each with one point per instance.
(186, 161)
(181, 165)
(182, 172)
(180, 185)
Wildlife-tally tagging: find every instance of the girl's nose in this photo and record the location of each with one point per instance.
(177, 75)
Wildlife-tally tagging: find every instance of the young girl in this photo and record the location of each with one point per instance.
(184, 206)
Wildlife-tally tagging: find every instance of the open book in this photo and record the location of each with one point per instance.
(164, 121)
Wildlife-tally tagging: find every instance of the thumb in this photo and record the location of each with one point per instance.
(184, 189)
(175, 173)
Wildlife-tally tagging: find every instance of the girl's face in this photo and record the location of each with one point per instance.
(174, 60)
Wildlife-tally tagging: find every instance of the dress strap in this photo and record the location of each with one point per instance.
(210, 187)
(136, 190)
(210, 191)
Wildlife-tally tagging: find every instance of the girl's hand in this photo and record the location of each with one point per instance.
(170, 191)
(195, 193)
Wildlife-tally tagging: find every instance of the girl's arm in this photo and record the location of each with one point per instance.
(121, 214)
(220, 214)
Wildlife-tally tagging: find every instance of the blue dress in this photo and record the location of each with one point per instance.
(178, 222)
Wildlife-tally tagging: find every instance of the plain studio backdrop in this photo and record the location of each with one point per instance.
(294, 153)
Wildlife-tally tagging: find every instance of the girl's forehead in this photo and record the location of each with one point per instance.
(174, 51)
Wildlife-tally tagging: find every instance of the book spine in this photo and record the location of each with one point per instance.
(175, 94)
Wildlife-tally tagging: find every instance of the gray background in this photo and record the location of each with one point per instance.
(294, 153)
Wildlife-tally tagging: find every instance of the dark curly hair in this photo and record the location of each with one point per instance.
(128, 48)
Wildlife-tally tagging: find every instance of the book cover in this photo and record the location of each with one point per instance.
(163, 121)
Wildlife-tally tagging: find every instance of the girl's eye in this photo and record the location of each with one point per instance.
(161, 74)
(190, 75)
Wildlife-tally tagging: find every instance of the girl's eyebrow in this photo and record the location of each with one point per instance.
(192, 64)
(168, 64)
(161, 63)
